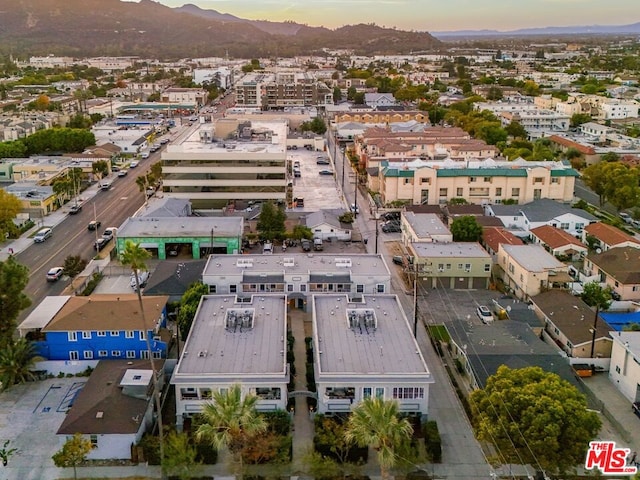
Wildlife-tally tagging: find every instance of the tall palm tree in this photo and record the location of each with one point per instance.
(376, 422)
(135, 257)
(16, 362)
(230, 420)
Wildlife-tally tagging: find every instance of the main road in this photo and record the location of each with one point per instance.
(71, 236)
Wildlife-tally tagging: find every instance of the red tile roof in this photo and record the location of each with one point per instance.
(554, 237)
(609, 234)
(494, 236)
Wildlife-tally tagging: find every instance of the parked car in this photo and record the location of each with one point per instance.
(100, 244)
(143, 276)
(391, 228)
(109, 233)
(325, 172)
(42, 235)
(143, 155)
(54, 274)
(75, 209)
(94, 225)
(164, 141)
(390, 216)
(625, 217)
(484, 314)
(306, 245)
(635, 407)
(134, 164)
(323, 161)
(398, 260)
(123, 173)
(354, 208)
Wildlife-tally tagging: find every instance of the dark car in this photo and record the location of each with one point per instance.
(306, 245)
(100, 244)
(636, 408)
(94, 225)
(398, 260)
(391, 228)
(390, 216)
(325, 172)
(75, 209)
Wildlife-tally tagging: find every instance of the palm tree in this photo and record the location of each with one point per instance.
(16, 362)
(376, 422)
(230, 421)
(135, 257)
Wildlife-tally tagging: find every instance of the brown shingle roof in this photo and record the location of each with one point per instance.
(609, 234)
(494, 236)
(107, 312)
(622, 263)
(102, 408)
(565, 142)
(554, 237)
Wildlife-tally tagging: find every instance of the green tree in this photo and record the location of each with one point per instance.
(73, 453)
(491, 133)
(494, 93)
(579, 118)
(542, 150)
(100, 168)
(337, 94)
(79, 120)
(271, 222)
(300, 232)
(189, 305)
(610, 157)
(599, 298)
(16, 363)
(180, 457)
(595, 177)
(316, 125)
(376, 422)
(10, 206)
(14, 149)
(466, 229)
(136, 257)
(13, 280)
(516, 130)
(534, 417)
(231, 421)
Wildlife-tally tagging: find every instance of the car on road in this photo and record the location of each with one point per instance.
(144, 155)
(109, 233)
(75, 209)
(154, 148)
(94, 225)
(42, 235)
(123, 173)
(625, 217)
(133, 164)
(323, 161)
(100, 244)
(325, 172)
(398, 260)
(484, 314)
(54, 274)
(164, 141)
(391, 228)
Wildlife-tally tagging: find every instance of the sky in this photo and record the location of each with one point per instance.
(430, 15)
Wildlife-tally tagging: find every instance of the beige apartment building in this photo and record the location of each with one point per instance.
(280, 90)
(217, 165)
(422, 182)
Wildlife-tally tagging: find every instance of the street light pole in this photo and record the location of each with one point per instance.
(377, 231)
(415, 301)
(593, 333)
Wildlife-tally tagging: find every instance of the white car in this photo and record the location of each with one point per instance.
(143, 276)
(355, 208)
(484, 314)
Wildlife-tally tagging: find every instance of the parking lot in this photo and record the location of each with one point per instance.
(320, 192)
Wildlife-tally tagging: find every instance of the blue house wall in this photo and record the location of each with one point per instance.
(103, 344)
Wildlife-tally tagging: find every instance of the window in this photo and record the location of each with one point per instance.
(487, 267)
(94, 441)
(380, 288)
(499, 192)
(407, 181)
(129, 334)
(206, 394)
(289, 287)
(131, 354)
(538, 180)
(635, 288)
(88, 354)
(379, 392)
(460, 192)
(579, 226)
(114, 333)
(460, 266)
(511, 268)
(86, 335)
(212, 289)
(425, 180)
(73, 355)
(156, 355)
(303, 287)
(102, 333)
(189, 393)
(141, 335)
(359, 288)
(443, 192)
(487, 179)
(555, 180)
(233, 288)
(408, 392)
(564, 226)
(102, 353)
(144, 354)
(472, 179)
(617, 369)
(441, 267)
(366, 392)
(115, 353)
(448, 266)
(72, 336)
(467, 267)
(515, 192)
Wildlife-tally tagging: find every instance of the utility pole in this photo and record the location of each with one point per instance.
(415, 301)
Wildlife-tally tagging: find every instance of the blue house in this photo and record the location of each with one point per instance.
(98, 327)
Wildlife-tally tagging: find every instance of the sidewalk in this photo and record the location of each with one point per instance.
(18, 245)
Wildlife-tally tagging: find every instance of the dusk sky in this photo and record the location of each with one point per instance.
(430, 15)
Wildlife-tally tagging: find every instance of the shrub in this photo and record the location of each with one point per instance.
(73, 265)
(432, 441)
(93, 283)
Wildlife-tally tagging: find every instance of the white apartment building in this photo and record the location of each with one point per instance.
(217, 164)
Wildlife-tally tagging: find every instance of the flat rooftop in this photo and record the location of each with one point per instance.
(533, 258)
(153, 227)
(426, 224)
(368, 337)
(230, 338)
(448, 250)
(302, 263)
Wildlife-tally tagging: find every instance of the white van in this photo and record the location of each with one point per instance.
(42, 235)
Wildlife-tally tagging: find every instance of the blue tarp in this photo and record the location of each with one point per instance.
(618, 321)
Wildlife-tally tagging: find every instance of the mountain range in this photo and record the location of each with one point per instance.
(630, 29)
(149, 29)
